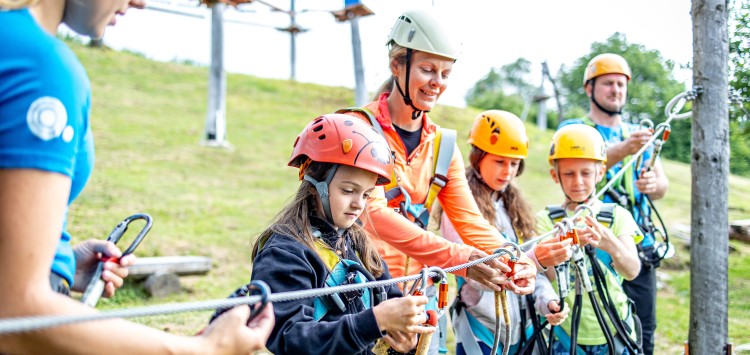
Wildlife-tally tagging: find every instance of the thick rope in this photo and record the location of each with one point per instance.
(26, 324)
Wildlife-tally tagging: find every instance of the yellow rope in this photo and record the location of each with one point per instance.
(501, 305)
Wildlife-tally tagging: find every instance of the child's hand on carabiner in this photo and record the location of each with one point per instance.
(404, 314)
(523, 279)
(596, 234)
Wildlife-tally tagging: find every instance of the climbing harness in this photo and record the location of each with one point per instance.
(96, 286)
(621, 339)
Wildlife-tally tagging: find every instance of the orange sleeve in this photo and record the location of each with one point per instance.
(459, 205)
(385, 224)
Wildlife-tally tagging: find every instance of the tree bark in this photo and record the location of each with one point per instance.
(710, 171)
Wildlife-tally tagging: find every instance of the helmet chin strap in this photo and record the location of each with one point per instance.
(417, 113)
(609, 112)
(322, 188)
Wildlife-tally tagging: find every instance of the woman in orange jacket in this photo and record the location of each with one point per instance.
(421, 58)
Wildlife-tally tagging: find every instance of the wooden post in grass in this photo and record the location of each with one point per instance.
(215, 131)
(353, 10)
(710, 180)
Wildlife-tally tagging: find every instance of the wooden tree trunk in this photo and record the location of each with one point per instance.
(710, 172)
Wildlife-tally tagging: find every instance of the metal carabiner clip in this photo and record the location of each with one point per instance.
(442, 300)
(96, 286)
(258, 287)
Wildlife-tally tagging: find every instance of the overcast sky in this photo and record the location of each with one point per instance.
(493, 33)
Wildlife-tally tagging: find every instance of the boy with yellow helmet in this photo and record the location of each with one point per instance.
(577, 157)
(606, 82)
(499, 147)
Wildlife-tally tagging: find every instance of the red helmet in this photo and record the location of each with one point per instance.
(347, 140)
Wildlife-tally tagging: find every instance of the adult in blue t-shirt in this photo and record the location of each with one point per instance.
(46, 157)
(606, 84)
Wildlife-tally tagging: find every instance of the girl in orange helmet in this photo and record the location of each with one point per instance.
(317, 241)
(499, 147)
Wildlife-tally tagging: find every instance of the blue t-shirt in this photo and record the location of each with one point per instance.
(612, 135)
(45, 97)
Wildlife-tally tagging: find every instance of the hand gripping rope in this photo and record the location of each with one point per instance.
(96, 285)
(501, 299)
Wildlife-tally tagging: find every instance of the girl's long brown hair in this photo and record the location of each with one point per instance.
(519, 210)
(297, 214)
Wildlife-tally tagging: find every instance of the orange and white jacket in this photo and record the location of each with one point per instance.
(396, 236)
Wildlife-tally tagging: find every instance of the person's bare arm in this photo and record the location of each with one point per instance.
(32, 208)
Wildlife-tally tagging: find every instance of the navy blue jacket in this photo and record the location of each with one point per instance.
(287, 265)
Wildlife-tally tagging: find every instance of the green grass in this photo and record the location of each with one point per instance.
(148, 120)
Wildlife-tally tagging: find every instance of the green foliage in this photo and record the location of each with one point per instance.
(739, 57)
(509, 89)
(649, 90)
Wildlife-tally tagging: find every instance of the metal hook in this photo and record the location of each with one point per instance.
(441, 273)
(425, 275)
(646, 123)
(584, 207)
(673, 107)
(253, 288)
(515, 247)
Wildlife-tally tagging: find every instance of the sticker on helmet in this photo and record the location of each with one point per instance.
(381, 153)
(47, 118)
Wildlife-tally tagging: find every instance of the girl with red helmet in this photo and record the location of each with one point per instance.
(316, 238)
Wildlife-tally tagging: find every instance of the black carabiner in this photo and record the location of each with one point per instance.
(96, 286)
(122, 227)
(254, 288)
(251, 289)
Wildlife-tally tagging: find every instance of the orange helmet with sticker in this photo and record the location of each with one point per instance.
(500, 133)
(346, 140)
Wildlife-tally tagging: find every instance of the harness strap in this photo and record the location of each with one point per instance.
(606, 215)
(555, 212)
(445, 141)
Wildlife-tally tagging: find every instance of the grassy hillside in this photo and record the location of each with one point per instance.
(148, 121)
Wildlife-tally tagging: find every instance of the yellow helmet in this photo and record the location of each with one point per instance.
(606, 63)
(577, 141)
(500, 133)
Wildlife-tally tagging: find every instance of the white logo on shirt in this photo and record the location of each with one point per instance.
(46, 118)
